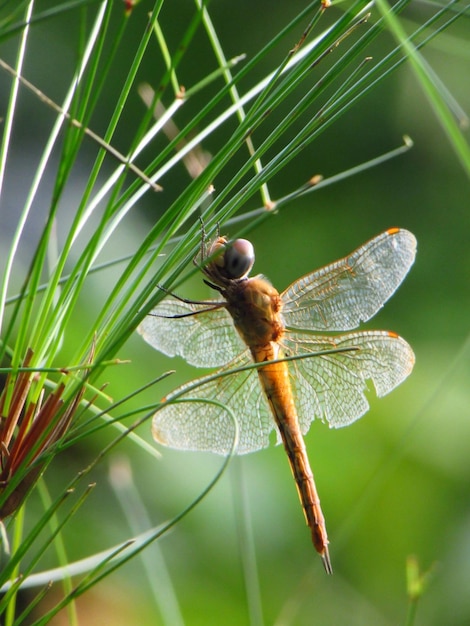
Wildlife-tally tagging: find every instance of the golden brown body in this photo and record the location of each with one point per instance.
(255, 306)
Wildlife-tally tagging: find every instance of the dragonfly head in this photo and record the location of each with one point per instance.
(235, 260)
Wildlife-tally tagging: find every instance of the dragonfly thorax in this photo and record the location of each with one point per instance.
(255, 306)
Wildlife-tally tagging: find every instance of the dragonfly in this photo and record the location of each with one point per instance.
(311, 363)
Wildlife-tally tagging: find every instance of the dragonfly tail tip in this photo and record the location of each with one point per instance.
(325, 557)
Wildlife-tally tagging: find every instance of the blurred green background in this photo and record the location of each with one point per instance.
(394, 484)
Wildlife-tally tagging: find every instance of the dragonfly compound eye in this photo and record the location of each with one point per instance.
(238, 258)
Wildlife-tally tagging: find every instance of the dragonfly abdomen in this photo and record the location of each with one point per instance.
(274, 379)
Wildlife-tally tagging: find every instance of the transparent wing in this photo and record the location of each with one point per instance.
(206, 339)
(192, 423)
(340, 296)
(333, 387)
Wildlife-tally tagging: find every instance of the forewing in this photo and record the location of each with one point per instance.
(340, 296)
(191, 421)
(332, 387)
(206, 339)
